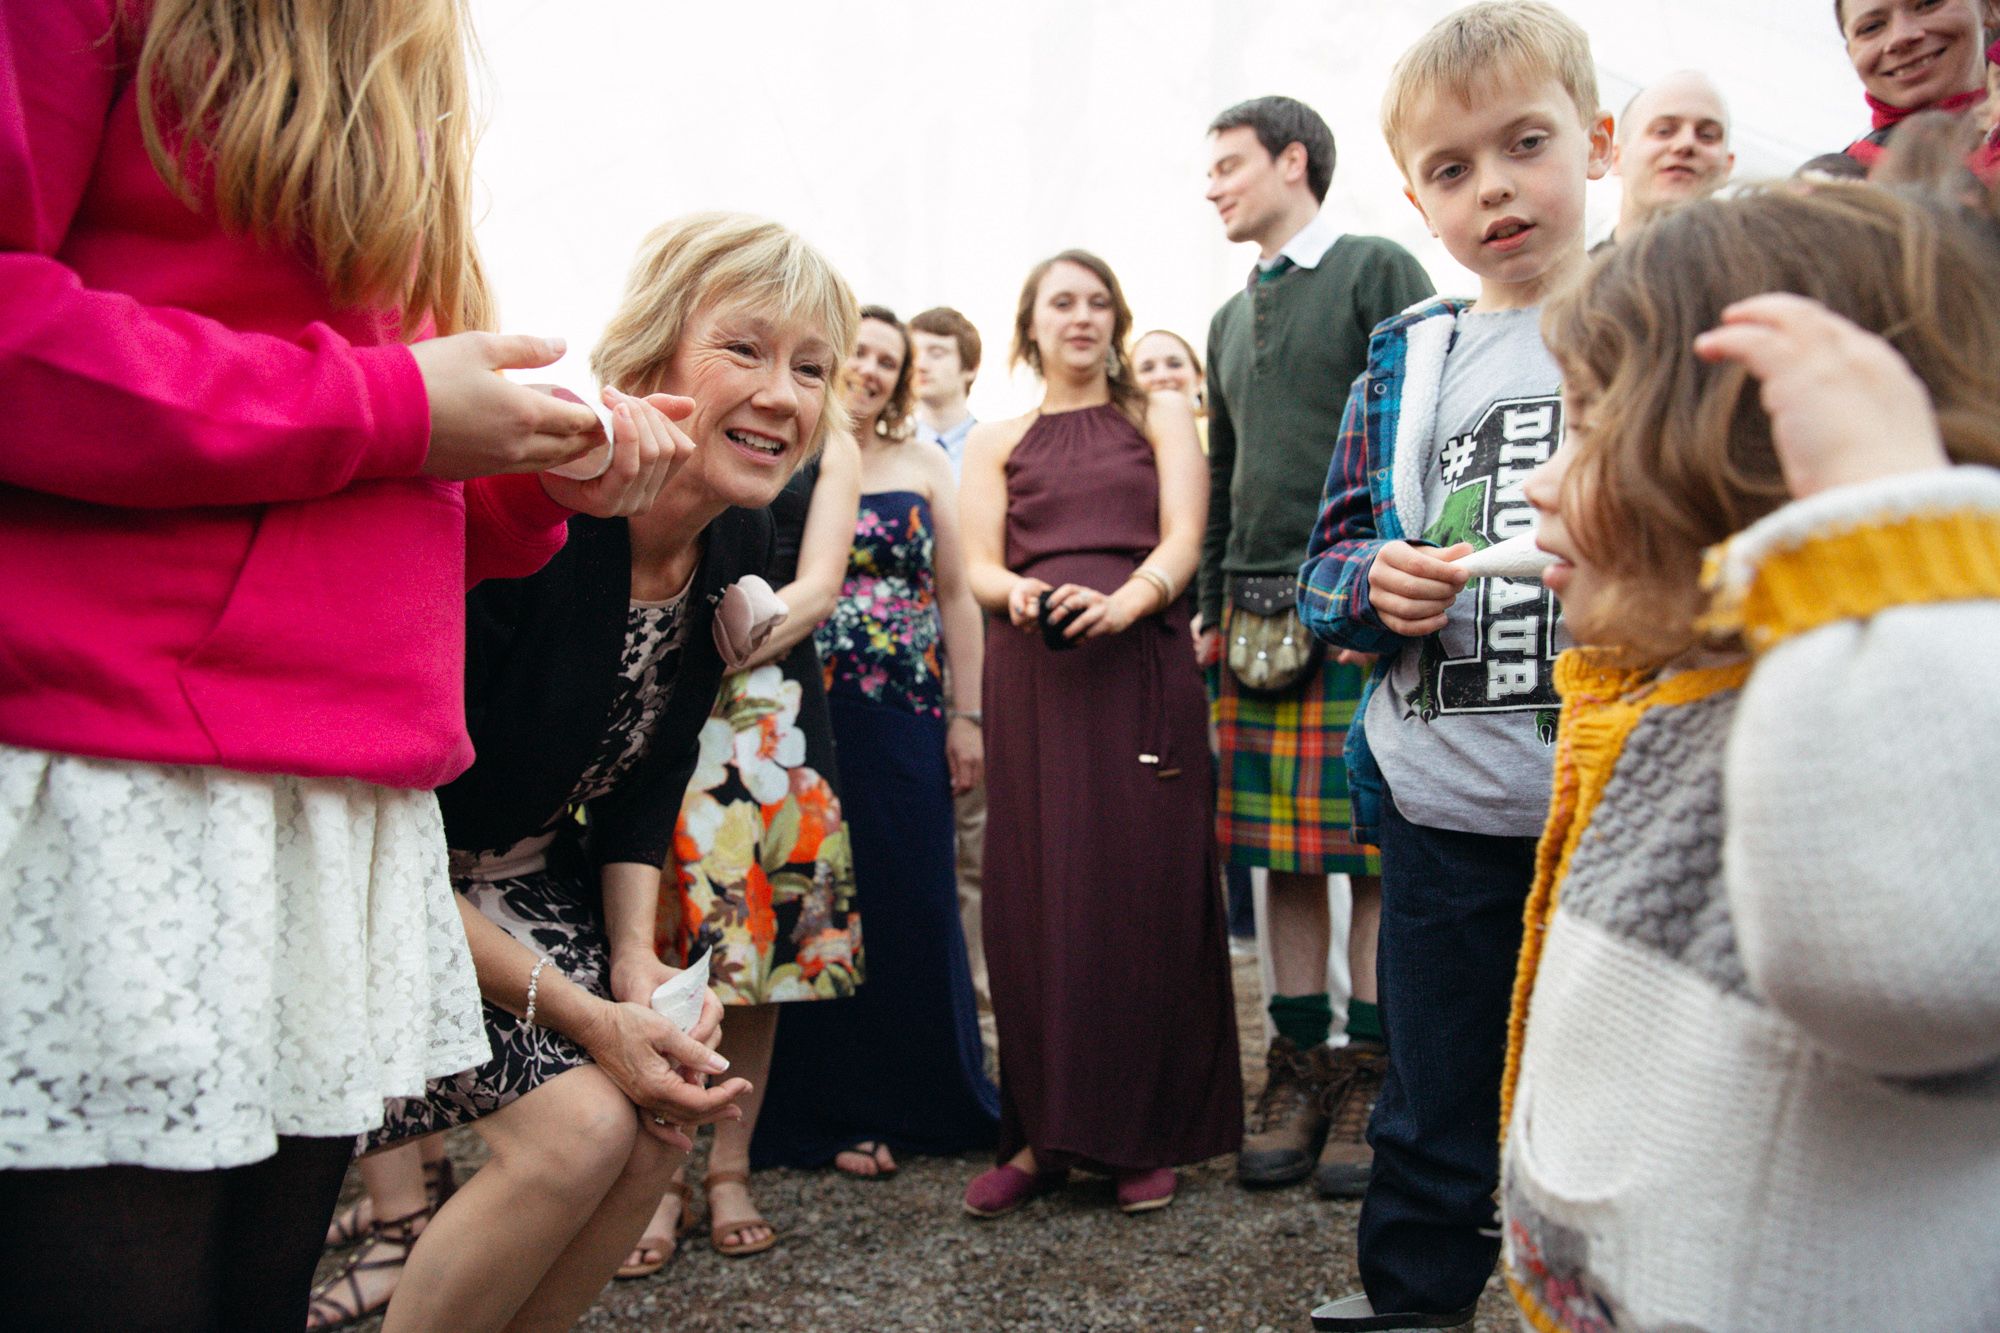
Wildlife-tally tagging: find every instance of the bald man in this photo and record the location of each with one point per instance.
(1672, 147)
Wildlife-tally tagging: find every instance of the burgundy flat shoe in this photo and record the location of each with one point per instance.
(1000, 1191)
(1143, 1191)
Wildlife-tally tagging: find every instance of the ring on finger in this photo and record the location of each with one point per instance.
(660, 1120)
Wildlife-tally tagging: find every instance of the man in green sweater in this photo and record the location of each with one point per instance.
(1281, 355)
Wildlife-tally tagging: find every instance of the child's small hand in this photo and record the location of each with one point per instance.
(1412, 588)
(481, 422)
(1844, 405)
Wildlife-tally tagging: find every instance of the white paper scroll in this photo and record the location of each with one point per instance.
(597, 462)
(1515, 558)
(679, 1000)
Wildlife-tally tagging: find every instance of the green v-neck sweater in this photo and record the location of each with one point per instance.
(1281, 357)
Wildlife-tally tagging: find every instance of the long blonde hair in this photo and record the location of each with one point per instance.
(340, 129)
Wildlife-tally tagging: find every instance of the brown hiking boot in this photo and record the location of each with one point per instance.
(1289, 1118)
(1344, 1162)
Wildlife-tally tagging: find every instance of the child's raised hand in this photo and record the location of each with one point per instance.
(1412, 587)
(481, 423)
(1844, 405)
(647, 448)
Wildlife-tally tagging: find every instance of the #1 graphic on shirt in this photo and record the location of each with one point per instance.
(1499, 659)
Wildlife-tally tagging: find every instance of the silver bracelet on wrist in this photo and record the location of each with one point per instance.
(972, 715)
(534, 981)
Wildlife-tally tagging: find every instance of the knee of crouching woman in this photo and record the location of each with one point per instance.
(576, 1139)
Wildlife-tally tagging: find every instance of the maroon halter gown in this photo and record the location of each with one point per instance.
(1105, 932)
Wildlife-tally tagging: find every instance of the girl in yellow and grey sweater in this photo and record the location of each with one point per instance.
(1754, 1075)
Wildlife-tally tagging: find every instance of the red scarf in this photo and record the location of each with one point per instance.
(1885, 115)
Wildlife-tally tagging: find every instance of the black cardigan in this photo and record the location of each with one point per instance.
(541, 671)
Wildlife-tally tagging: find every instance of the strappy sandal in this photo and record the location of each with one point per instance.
(440, 1183)
(399, 1232)
(348, 1228)
(717, 1230)
(683, 1228)
(869, 1148)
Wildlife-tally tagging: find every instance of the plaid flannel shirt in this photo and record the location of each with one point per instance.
(1359, 515)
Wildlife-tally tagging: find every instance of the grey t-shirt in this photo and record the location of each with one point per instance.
(1464, 727)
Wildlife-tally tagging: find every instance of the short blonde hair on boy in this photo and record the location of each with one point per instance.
(694, 262)
(1471, 49)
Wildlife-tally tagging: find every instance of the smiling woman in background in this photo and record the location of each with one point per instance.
(1162, 359)
(1919, 55)
(899, 1066)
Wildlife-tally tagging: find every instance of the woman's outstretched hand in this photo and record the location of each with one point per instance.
(1845, 406)
(647, 449)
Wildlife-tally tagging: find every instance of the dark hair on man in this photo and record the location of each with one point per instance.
(1281, 122)
(944, 322)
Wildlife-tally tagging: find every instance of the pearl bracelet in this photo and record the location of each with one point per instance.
(534, 981)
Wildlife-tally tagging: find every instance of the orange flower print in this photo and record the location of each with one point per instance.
(819, 812)
(763, 920)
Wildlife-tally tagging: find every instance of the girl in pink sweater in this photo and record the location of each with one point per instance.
(237, 517)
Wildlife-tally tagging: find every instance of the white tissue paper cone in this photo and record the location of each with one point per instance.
(679, 1000)
(589, 467)
(1515, 558)
(597, 462)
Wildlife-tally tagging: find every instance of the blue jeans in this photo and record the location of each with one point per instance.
(1450, 940)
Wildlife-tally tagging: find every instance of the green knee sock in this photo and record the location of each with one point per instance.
(1303, 1020)
(1364, 1021)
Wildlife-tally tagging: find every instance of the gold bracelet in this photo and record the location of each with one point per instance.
(1160, 585)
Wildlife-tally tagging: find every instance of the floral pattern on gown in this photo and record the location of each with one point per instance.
(881, 641)
(761, 853)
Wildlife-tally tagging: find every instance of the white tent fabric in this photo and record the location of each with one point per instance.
(936, 151)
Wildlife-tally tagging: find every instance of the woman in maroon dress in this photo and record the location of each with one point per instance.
(1104, 932)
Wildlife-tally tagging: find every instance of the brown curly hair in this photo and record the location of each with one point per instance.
(1678, 454)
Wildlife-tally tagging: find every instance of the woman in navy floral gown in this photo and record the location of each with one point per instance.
(897, 1067)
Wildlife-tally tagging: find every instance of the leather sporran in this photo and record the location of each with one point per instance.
(1269, 651)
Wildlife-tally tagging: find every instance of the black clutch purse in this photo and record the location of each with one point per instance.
(1053, 626)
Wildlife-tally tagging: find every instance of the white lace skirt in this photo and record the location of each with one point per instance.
(195, 961)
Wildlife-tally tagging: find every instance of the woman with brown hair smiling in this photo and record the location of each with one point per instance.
(898, 1066)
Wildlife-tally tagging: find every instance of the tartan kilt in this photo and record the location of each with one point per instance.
(1281, 801)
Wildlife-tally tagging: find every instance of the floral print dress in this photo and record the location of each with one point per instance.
(543, 892)
(762, 878)
(881, 642)
(899, 1063)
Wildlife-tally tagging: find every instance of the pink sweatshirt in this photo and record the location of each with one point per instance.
(215, 546)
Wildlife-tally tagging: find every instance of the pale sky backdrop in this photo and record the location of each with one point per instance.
(936, 150)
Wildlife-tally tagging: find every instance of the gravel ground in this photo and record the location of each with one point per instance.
(899, 1256)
